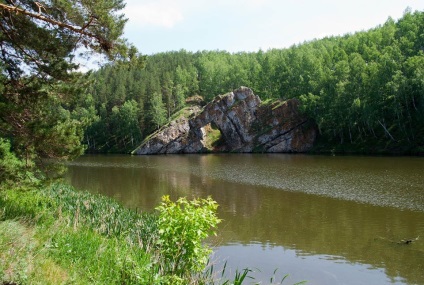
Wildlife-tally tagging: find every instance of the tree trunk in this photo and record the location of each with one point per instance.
(386, 130)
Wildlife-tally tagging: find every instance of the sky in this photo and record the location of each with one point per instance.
(250, 25)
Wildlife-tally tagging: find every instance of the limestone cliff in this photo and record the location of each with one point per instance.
(235, 122)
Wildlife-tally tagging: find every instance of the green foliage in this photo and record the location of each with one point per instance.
(10, 165)
(14, 171)
(125, 121)
(56, 235)
(239, 277)
(183, 225)
(213, 137)
(110, 260)
(103, 214)
(41, 110)
(157, 112)
(26, 204)
(363, 89)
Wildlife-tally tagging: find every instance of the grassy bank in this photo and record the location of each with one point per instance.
(57, 235)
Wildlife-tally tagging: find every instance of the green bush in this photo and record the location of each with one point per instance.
(14, 171)
(183, 225)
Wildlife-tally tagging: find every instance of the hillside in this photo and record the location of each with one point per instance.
(365, 91)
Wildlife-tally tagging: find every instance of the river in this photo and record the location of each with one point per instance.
(323, 219)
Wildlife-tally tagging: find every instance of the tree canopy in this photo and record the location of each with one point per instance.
(40, 88)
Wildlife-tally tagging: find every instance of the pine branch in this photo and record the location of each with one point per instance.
(79, 30)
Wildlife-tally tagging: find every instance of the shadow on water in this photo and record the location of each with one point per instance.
(330, 220)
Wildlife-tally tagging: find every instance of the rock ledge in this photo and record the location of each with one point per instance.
(235, 122)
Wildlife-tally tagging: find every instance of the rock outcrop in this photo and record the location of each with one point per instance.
(235, 122)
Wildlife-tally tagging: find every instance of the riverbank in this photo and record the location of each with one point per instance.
(56, 235)
(371, 148)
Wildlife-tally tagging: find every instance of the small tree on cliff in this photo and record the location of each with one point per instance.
(157, 111)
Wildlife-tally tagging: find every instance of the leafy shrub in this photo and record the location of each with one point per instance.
(183, 225)
(14, 171)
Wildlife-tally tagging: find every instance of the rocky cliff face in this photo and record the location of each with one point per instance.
(235, 122)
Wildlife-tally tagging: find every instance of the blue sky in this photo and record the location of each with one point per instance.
(249, 25)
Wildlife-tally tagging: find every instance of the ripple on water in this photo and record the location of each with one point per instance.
(384, 181)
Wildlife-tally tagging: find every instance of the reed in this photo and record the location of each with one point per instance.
(89, 238)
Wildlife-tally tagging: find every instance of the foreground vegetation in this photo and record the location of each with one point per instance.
(56, 235)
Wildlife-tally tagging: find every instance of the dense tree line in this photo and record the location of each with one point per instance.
(364, 90)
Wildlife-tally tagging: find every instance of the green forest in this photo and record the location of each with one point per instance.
(365, 90)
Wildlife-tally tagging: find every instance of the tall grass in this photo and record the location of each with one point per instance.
(103, 214)
(91, 239)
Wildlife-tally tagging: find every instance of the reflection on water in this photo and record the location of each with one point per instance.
(329, 220)
(323, 269)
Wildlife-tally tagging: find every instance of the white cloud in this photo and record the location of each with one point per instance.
(235, 25)
(162, 13)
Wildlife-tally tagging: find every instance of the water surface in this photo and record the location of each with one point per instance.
(325, 219)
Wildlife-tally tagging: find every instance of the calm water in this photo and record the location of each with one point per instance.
(324, 219)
